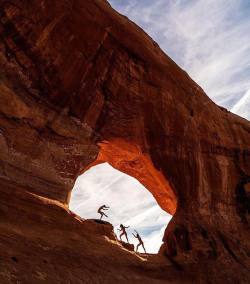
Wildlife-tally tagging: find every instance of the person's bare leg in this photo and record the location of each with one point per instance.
(137, 247)
(121, 236)
(126, 237)
(144, 248)
(105, 215)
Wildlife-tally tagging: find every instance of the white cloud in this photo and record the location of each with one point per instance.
(207, 38)
(243, 106)
(130, 203)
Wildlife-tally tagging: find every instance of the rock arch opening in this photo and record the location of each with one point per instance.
(118, 158)
(132, 160)
(130, 204)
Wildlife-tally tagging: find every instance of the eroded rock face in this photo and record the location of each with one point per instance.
(81, 84)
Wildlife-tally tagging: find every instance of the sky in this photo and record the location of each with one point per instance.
(131, 204)
(210, 39)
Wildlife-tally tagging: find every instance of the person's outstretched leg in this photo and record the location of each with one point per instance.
(144, 248)
(105, 215)
(101, 216)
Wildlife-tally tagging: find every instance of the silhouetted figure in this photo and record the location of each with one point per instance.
(123, 230)
(137, 236)
(103, 207)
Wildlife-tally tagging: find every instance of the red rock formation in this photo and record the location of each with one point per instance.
(81, 84)
(127, 246)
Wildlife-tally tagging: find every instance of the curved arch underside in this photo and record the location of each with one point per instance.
(129, 159)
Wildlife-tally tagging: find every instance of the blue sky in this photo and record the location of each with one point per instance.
(130, 203)
(210, 39)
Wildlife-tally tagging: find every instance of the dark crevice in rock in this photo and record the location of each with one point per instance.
(182, 238)
(243, 199)
(14, 259)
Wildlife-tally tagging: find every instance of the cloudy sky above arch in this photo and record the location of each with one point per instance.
(210, 39)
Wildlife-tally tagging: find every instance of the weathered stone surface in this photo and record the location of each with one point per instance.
(79, 85)
(127, 246)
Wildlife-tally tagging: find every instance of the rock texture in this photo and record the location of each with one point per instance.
(80, 85)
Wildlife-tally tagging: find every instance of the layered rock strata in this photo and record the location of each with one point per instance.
(80, 85)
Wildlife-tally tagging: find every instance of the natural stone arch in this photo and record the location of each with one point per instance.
(111, 82)
(129, 159)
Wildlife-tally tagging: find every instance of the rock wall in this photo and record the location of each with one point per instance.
(81, 84)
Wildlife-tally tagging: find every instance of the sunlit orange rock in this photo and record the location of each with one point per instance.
(129, 159)
(80, 85)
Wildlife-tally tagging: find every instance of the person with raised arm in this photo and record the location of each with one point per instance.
(138, 237)
(123, 230)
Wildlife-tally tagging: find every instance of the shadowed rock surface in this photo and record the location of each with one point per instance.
(127, 246)
(80, 85)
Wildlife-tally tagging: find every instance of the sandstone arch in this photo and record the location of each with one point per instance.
(75, 74)
(129, 159)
